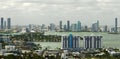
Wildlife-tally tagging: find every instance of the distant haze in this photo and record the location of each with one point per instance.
(23, 12)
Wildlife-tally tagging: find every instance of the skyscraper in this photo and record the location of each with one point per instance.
(60, 25)
(9, 23)
(95, 27)
(86, 28)
(78, 26)
(115, 25)
(73, 27)
(105, 28)
(52, 27)
(70, 42)
(2, 23)
(65, 28)
(68, 25)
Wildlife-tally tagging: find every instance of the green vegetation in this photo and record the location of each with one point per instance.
(37, 37)
(24, 56)
(30, 55)
(106, 55)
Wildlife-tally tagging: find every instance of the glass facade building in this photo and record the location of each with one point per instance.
(60, 24)
(9, 23)
(68, 25)
(78, 26)
(70, 42)
(2, 23)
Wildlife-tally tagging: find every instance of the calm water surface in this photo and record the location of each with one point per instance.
(108, 40)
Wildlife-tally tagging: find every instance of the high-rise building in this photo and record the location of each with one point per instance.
(68, 25)
(9, 23)
(78, 26)
(2, 23)
(105, 28)
(70, 42)
(65, 28)
(92, 42)
(5, 25)
(95, 27)
(30, 26)
(60, 25)
(115, 25)
(86, 28)
(52, 27)
(73, 27)
(43, 26)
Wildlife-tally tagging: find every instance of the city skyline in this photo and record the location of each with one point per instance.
(25, 12)
(5, 23)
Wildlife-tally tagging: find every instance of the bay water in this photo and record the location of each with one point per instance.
(108, 40)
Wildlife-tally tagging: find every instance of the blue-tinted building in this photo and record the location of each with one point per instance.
(92, 42)
(70, 42)
(9, 23)
(95, 27)
(78, 26)
(2, 23)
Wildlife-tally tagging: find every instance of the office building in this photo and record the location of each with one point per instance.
(2, 23)
(5, 25)
(115, 25)
(60, 24)
(85, 28)
(43, 26)
(95, 27)
(70, 42)
(105, 29)
(30, 26)
(78, 26)
(65, 28)
(52, 27)
(73, 27)
(68, 25)
(9, 23)
(93, 42)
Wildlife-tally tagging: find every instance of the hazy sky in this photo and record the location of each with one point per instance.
(52, 11)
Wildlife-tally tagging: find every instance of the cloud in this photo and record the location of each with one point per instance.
(53, 9)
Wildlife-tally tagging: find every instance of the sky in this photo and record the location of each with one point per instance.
(23, 12)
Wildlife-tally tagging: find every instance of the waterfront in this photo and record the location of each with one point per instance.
(108, 40)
